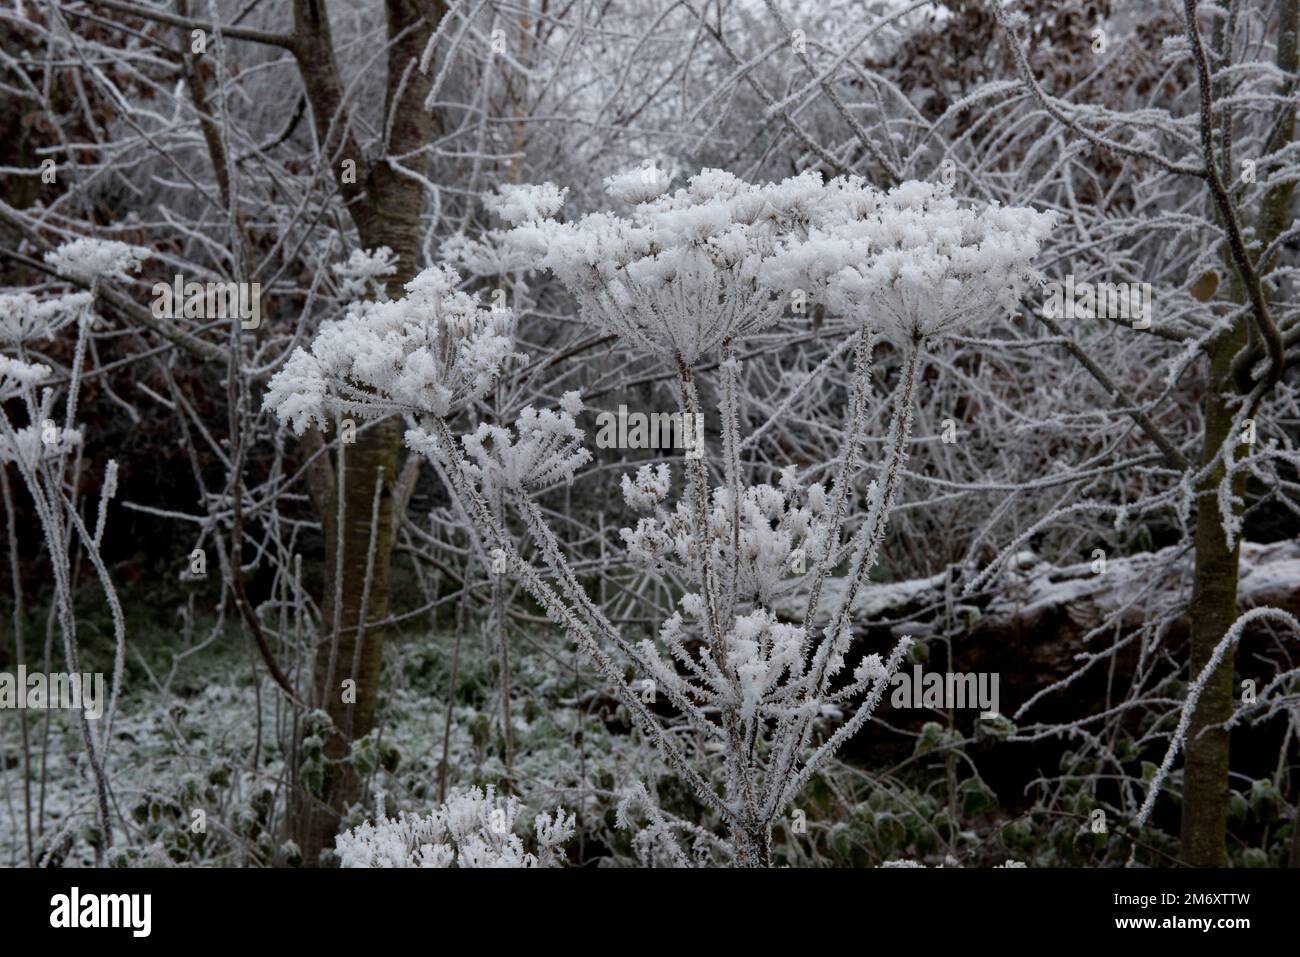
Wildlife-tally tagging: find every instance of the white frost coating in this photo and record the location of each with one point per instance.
(650, 487)
(428, 352)
(517, 204)
(773, 524)
(32, 443)
(684, 275)
(762, 650)
(571, 402)
(93, 259)
(24, 318)
(918, 264)
(368, 264)
(1230, 638)
(365, 269)
(638, 185)
(15, 375)
(1084, 440)
(912, 261)
(472, 829)
(543, 448)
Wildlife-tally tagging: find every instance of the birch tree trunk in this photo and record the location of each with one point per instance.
(385, 205)
(1213, 610)
(1214, 591)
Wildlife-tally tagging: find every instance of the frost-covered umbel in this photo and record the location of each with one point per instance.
(773, 525)
(775, 522)
(919, 265)
(41, 439)
(365, 271)
(684, 272)
(756, 666)
(93, 259)
(16, 376)
(690, 272)
(26, 319)
(33, 443)
(472, 829)
(427, 352)
(544, 448)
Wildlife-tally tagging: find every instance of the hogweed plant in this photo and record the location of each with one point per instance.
(46, 454)
(474, 828)
(686, 276)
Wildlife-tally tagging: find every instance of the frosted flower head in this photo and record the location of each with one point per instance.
(544, 448)
(483, 257)
(29, 445)
(650, 487)
(17, 377)
(44, 438)
(364, 270)
(517, 204)
(915, 264)
(775, 523)
(93, 259)
(25, 318)
(762, 651)
(684, 271)
(638, 185)
(429, 352)
(474, 828)
(716, 260)
(870, 668)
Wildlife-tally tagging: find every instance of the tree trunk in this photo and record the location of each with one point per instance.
(1214, 590)
(372, 459)
(386, 213)
(754, 846)
(1212, 612)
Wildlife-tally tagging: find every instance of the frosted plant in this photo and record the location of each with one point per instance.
(914, 259)
(1131, 178)
(428, 352)
(25, 318)
(637, 186)
(774, 523)
(920, 264)
(29, 445)
(709, 244)
(1178, 739)
(516, 204)
(473, 828)
(17, 377)
(91, 260)
(649, 488)
(658, 837)
(365, 271)
(47, 457)
(42, 438)
(544, 448)
(686, 274)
